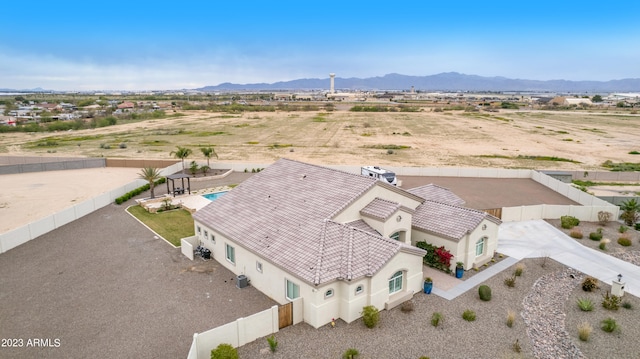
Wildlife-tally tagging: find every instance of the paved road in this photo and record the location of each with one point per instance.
(532, 239)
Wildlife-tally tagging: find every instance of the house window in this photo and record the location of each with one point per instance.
(259, 266)
(206, 234)
(359, 289)
(480, 244)
(199, 229)
(395, 283)
(213, 238)
(230, 253)
(293, 290)
(328, 293)
(395, 236)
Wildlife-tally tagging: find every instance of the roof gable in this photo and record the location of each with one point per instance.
(447, 220)
(432, 192)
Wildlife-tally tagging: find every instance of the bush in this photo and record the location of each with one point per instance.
(484, 292)
(609, 325)
(623, 228)
(273, 343)
(436, 318)
(407, 306)
(224, 351)
(519, 270)
(568, 222)
(510, 281)
(596, 236)
(585, 304)
(624, 241)
(516, 346)
(637, 226)
(610, 301)
(627, 305)
(127, 196)
(511, 318)
(469, 315)
(603, 244)
(351, 353)
(589, 284)
(122, 145)
(576, 233)
(584, 330)
(604, 217)
(370, 316)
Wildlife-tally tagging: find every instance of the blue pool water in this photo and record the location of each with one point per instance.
(213, 196)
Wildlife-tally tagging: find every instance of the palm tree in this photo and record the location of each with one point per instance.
(181, 153)
(630, 209)
(151, 175)
(208, 152)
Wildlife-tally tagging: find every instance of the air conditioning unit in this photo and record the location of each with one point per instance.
(242, 281)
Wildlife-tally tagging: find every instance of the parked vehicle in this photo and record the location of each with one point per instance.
(380, 173)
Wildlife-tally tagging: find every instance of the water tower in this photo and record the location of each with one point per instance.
(333, 79)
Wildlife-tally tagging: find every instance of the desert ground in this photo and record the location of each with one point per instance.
(425, 138)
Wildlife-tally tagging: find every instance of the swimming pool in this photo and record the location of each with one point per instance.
(213, 196)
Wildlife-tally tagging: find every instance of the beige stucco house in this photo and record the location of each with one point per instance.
(340, 241)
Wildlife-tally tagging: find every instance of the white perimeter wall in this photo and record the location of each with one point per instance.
(18, 236)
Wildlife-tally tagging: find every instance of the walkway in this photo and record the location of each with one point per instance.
(535, 239)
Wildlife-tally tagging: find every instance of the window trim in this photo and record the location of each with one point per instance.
(482, 242)
(233, 253)
(393, 282)
(395, 236)
(293, 285)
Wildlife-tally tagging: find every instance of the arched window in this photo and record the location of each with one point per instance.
(395, 236)
(395, 283)
(480, 245)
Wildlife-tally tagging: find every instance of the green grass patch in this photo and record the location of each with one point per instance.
(319, 119)
(171, 225)
(562, 132)
(387, 147)
(593, 130)
(253, 143)
(494, 156)
(366, 134)
(242, 125)
(634, 153)
(621, 166)
(591, 183)
(535, 158)
(567, 139)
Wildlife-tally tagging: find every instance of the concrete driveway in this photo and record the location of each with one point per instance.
(537, 238)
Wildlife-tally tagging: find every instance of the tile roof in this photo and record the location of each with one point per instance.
(362, 225)
(448, 220)
(280, 214)
(433, 192)
(380, 208)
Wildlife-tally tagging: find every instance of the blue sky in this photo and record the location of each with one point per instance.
(145, 45)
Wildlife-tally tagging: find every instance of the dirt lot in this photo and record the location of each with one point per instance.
(449, 138)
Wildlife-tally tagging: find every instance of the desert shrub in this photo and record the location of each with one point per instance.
(519, 270)
(627, 305)
(623, 228)
(637, 226)
(273, 343)
(624, 241)
(389, 151)
(576, 233)
(596, 236)
(610, 301)
(370, 316)
(511, 318)
(484, 292)
(604, 217)
(584, 330)
(603, 244)
(351, 353)
(609, 325)
(469, 315)
(436, 319)
(407, 306)
(589, 284)
(510, 281)
(516, 346)
(585, 304)
(122, 145)
(224, 351)
(568, 222)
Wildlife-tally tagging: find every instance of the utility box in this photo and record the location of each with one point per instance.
(242, 281)
(617, 288)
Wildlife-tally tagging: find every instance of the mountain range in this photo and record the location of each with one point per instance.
(447, 81)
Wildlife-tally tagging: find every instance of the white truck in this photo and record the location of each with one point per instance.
(379, 173)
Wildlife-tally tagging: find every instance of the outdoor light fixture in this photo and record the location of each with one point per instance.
(619, 277)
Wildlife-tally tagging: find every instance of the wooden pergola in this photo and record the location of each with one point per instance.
(178, 190)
